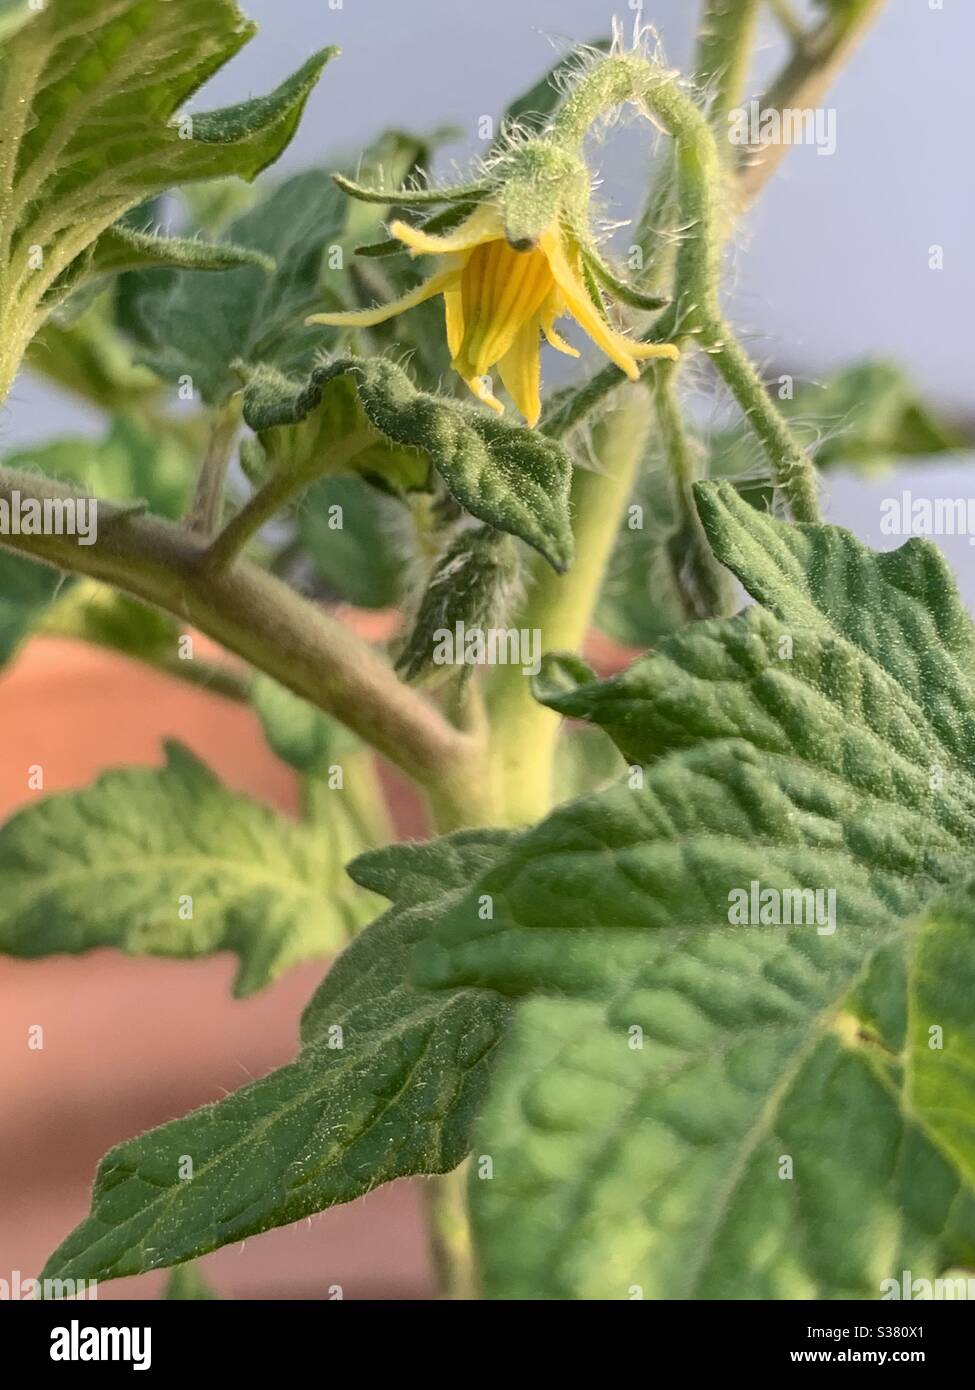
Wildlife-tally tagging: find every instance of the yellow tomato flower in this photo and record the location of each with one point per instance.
(499, 301)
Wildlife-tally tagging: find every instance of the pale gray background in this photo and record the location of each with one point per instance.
(832, 266)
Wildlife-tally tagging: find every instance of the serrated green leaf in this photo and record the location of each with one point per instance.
(941, 1038)
(410, 874)
(124, 863)
(511, 478)
(641, 1117)
(867, 417)
(88, 92)
(189, 327)
(393, 1093)
(656, 1171)
(320, 426)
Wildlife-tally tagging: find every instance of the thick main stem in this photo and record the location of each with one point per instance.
(560, 607)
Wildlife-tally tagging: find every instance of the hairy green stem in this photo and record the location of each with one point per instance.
(273, 497)
(724, 49)
(560, 607)
(206, 509)
(451, 1244)
(696, 312)
(252, 613)
(706, 588)
(792, 472)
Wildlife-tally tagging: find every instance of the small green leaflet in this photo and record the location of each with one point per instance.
(387, 1084)
(513, 479)
(170, 862)
(690, 1107)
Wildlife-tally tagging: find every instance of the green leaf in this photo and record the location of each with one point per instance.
(200, 328)
(511, 478)
(362, 559)
(673, 1058)
(124, 862)
(941, 1039)
(26, 591)
(88, 93)
(392, 1093)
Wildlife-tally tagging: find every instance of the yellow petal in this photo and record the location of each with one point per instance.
(366, 318)
(453, 303)
(553, 308)
(502, 290)
(521, 373)
(481, 387)
(617, 348)
(484, 224)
